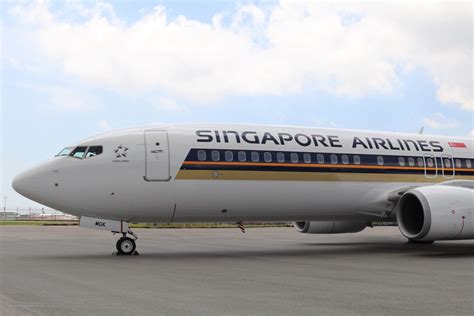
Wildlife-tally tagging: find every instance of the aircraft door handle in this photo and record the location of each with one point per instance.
(156, 151)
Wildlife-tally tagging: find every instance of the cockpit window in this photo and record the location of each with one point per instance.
(82, 151)
(94, 151)
(78, 152)
(65, 152)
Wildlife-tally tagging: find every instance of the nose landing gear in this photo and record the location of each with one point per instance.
(126, 246)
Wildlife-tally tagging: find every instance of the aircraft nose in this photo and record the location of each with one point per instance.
(33, 183)
(16, 183)
(41, 184)
(23, 183)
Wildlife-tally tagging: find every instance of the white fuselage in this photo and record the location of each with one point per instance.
(183, 173)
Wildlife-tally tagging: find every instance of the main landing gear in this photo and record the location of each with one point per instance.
(126, 246)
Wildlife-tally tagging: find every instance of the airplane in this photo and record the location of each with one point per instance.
(325, 181)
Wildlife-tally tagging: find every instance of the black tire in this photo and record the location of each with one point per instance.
(126, 246)
(421, 242)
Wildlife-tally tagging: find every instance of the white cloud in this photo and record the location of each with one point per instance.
(67, 99)
(104, 125)
(345, 48)
(439, 121)
(169, 104)
(62, 98)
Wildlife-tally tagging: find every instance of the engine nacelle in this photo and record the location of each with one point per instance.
(330, 227)
(437, 212)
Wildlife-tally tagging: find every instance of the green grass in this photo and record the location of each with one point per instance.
(38, 223)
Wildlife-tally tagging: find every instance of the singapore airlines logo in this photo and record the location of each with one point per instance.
(121, 153)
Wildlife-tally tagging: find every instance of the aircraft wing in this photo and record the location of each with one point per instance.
(383, 206)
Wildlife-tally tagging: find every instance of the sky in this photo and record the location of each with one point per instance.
(73, 69)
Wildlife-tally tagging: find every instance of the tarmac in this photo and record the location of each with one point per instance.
(267, 271)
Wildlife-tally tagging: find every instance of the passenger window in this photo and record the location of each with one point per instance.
(468, 163)
(333, 159)
(458, 163)
(345, 159)
(229, 156)
(242, 156)
(320, 158)
(357, 159)
(411, 162)
(380, 160)
(401, 161)
(294, 158)
(429, 162)
(421, 163)
(78, 152)
(255, 156)
(447, 163)
(280, 157)
(307, 158)
(201, 155)
(215, 155)
(94, 151)
(267, 157)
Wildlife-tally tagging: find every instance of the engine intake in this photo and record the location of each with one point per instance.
(414, 216)
(437, 212)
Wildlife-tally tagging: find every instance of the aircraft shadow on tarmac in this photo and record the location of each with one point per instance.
(308, 250)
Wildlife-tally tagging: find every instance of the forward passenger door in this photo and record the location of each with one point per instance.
(157, 156)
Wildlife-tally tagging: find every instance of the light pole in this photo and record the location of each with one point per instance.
(5, 207)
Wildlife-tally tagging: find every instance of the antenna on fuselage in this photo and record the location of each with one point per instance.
(422, 129)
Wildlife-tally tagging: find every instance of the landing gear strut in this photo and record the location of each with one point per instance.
(126, 246)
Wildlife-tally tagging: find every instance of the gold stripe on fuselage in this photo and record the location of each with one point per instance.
(326, 166)
(309, 176)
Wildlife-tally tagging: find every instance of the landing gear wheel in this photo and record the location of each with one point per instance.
(421, 242)
(126, 246)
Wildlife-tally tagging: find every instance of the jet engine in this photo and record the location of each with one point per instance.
(329, 227)
(438, 212)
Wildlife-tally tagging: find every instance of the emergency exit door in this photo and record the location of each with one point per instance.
(431, 166)
(157, 159)
(447, 162)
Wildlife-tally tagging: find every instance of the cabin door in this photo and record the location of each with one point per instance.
(448, 166)
(157, 157)
(431, 166)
